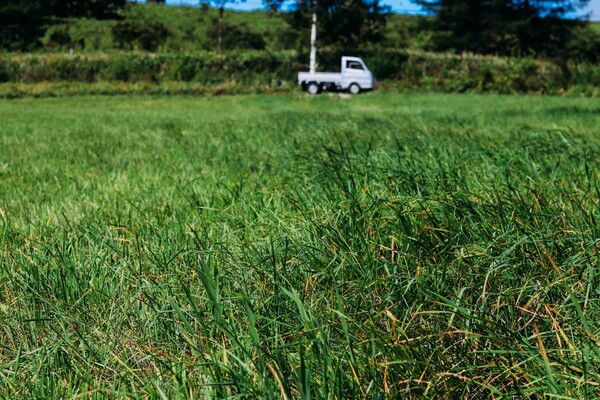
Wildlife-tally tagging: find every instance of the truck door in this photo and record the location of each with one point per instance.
(355, 69)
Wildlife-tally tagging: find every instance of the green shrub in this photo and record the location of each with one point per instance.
(7, 72)
(584, 46)
(386, 65)
(59, 37)
(234, 37)
(144, 35)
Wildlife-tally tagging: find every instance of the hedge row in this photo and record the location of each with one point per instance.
(132, 67)
(410, 70)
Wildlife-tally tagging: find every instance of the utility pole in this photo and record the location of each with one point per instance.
(313, 40)
(220, 40)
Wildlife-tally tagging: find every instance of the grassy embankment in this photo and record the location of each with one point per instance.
(188, 28)
(265, 246)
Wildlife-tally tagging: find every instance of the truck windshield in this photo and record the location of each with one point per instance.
(354, 65)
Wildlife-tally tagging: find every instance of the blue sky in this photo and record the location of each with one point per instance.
(400, 6)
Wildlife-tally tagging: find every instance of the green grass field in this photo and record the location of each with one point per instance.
(382, 246)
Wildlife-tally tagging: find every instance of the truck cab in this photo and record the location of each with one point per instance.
(354, 77)
(354, 70)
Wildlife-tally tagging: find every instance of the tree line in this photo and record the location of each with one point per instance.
(506, 27)
(22, 22)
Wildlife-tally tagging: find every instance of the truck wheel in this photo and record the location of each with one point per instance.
(312, 88)
(354, 88)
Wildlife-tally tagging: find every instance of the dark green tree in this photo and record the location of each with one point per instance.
(20, 24)
(508, 27)
(342, 24)
(23, 22)
(97, 9)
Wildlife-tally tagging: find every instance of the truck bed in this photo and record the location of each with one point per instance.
(321, 77)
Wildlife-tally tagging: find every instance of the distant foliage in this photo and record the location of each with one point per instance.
(344, 27)
(508, 27)
(584, 44)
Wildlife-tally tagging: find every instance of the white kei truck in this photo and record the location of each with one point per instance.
(353, 77)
